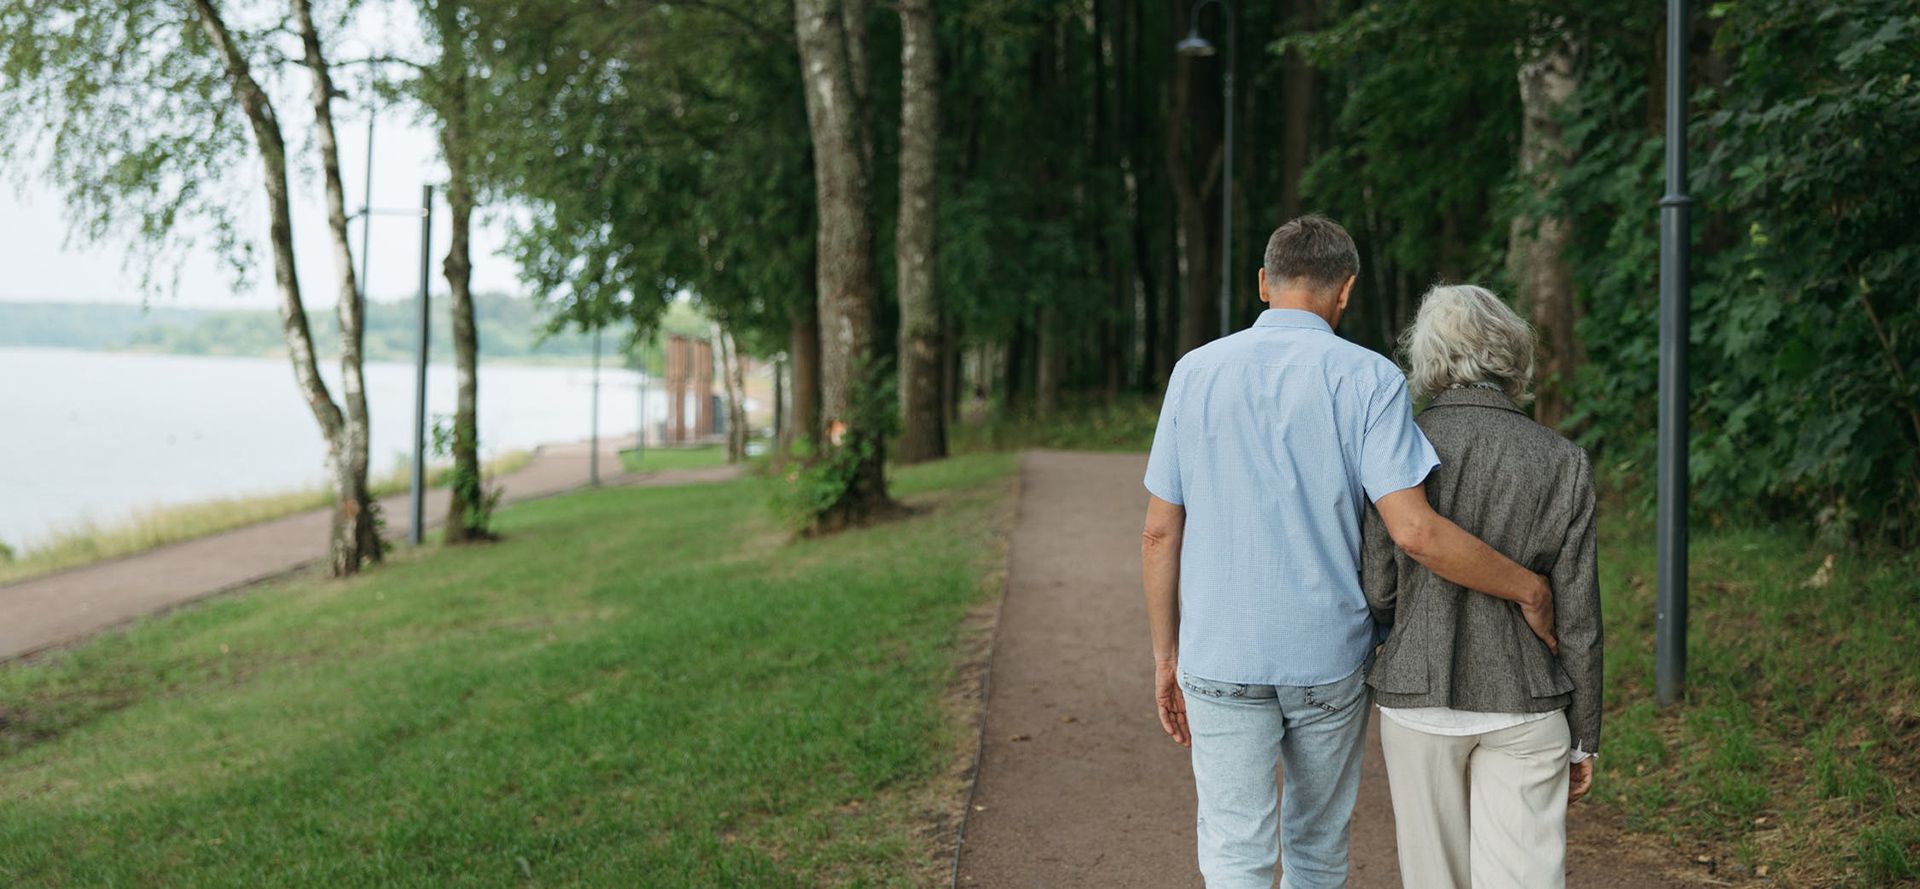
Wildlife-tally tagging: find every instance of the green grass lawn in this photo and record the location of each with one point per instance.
(636, 687)
(657, 458)
(1798, 743)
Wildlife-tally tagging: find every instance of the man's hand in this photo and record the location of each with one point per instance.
(1172, 704)
(1539, 615)
(1447, 550)
(1579, 779)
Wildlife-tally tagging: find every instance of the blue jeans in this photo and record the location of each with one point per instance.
(1240, 732)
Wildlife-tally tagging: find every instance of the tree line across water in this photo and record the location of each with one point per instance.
(906, 202)
(509, 328)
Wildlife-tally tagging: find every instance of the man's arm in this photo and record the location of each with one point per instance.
(1160, 566)
(1449, 551)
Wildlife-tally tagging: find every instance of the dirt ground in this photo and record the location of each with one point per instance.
(1077, 784)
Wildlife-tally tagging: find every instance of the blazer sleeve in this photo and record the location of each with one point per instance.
(1379, 570)
(1576, 600)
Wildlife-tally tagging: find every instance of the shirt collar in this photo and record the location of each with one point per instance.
(1299, 318)
(1474, 396)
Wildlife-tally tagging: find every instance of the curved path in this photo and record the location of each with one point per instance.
(1077, 785)
(67, 606)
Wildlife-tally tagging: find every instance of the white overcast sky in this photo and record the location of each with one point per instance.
(43, 263)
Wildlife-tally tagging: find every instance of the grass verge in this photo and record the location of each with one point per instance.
(1799, 739)
(657, 458)
(159, 526)
(639, 687)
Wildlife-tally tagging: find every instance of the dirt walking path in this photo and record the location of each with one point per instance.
(1077, 784)
(66, 606)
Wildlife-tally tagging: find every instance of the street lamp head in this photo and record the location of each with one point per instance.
(1195, 45)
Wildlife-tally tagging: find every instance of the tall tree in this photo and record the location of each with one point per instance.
(446, 88)
(140, 110)
(923, 417)
(354, 435)
(1538, 238)
(843, 195)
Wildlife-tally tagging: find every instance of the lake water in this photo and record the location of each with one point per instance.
(90, 436)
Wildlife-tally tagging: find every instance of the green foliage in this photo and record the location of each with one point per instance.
(1805, 326)
(123, 106)
(1125, 424)
(1806, 336)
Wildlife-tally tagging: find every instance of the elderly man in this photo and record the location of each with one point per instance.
(1268, 440)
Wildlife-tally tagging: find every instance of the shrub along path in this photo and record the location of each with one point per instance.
(63, 607)
(1077, 784)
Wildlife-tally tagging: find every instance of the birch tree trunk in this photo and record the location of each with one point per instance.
(845, 272)
(1536, 243)
(923, 433)
(355, 502)
(468, 508)
(346, 541)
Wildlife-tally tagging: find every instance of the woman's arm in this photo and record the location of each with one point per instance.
(1379, 575)
(1576, 589)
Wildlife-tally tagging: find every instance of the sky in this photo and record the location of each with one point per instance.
(43, 263)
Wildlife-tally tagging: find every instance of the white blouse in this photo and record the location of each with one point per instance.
(1457, 723)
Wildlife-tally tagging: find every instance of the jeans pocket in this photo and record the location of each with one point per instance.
(1194, 685)
(1336, 696)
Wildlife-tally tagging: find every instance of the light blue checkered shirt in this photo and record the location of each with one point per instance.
(1270, 438)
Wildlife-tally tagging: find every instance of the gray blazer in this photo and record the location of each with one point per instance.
(1528, 493)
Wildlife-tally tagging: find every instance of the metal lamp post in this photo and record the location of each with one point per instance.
(418, 490)
(1198, 46)
(1670, 632)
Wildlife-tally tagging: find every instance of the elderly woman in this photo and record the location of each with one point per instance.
(1488, 733)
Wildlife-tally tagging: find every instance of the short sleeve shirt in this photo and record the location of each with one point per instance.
(1274, 439)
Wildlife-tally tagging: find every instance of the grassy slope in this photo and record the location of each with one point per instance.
(1800, 737)
(637, 687)
(657, 458)
(160, 526)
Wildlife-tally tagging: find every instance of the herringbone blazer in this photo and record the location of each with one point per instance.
(1528, 493)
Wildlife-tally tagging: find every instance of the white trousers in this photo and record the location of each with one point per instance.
(1484, 811)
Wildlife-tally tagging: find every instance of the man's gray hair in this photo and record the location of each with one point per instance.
(1463, 335)
(1313, 253)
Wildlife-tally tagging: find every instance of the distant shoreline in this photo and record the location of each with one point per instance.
(329, 357)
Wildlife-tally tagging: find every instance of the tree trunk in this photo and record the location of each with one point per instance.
(737, 369)
(1296, 99)
(355, 501)
(803, 346)
(923, 434)
(724, 347)
(468, 509)
(345, 553)
(1051, 363)
(1536, 243)
(843, 193)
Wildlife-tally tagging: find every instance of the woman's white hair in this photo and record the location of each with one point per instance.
(1463, 335)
